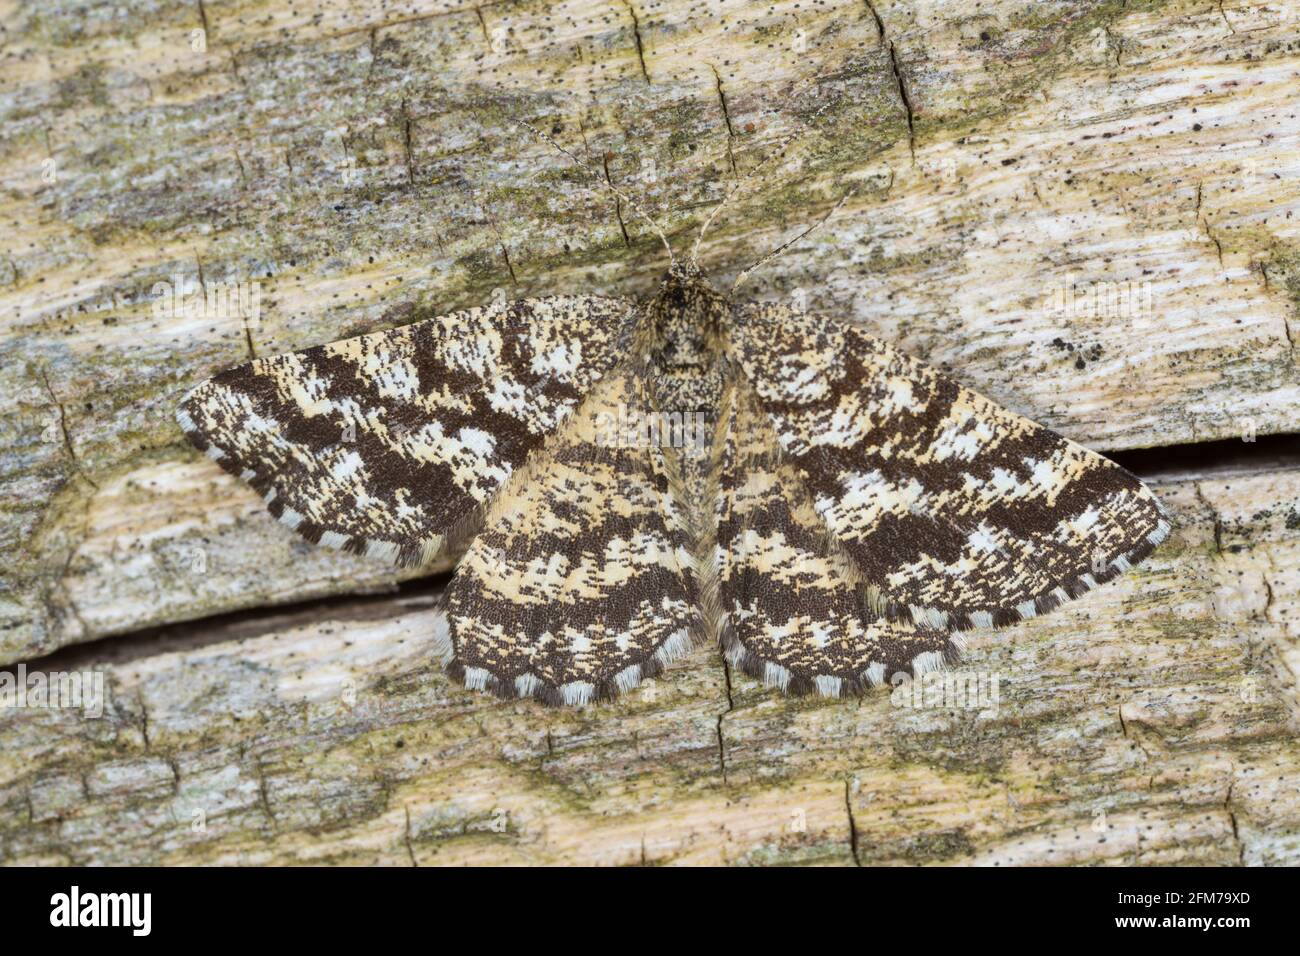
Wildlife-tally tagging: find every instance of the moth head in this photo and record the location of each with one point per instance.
(686, 276)
(687, 308)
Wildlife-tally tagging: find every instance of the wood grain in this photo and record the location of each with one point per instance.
(1153, 721)
(1084, 209)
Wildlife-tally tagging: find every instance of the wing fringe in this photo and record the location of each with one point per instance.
(529, 686)
(411, 555)
(1061, 594)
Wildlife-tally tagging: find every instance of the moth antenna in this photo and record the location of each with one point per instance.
(730, 194)
(578, 161)
(782, 147)
(789, 242)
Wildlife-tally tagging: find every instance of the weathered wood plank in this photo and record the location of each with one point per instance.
(357, 163)
(1153, 721)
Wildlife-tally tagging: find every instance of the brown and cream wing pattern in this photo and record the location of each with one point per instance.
(960, 512)
(389, 443)
(581, 582)
(795, 611)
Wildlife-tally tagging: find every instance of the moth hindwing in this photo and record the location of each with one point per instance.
(581, 583)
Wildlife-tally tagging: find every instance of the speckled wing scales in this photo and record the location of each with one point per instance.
(961, 513)
(796, 612)
(390, 444)
(581, 583)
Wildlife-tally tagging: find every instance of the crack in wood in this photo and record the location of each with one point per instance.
(880, 24)
(1232, 818)
(731, 704)
(410, 847)
(406, 141)
(1204, 221)
(1215, 517)
(505, 254)
(722, 751)
(144, 722)
(905, 97)
(618, 204)
(64, 430)
(853, 825)
(900, 85)
(726, 116)
(263, 795)
(1224, 13)
(234, 68)
(636, 34)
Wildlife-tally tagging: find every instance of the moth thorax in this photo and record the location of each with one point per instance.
(687, 313)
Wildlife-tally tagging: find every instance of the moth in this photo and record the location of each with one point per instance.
(845, 514)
